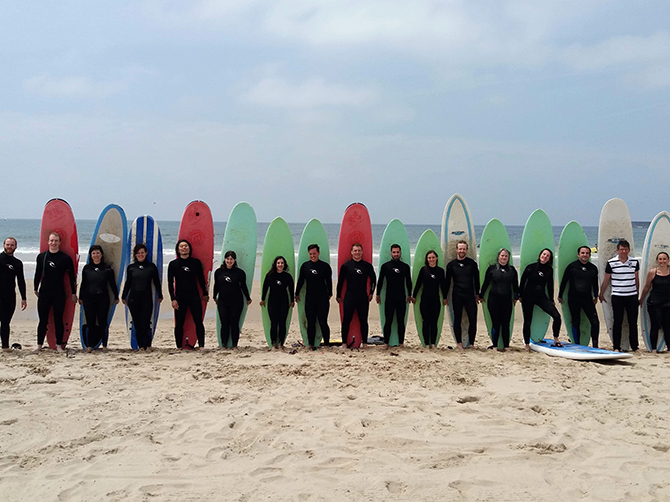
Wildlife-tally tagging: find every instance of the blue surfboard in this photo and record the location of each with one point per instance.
(575, 351)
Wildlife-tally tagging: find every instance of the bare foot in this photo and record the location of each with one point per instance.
(37, 350)
(364, 346)
(59, 348)
(527, 347)
(89, 349)
(459, 346)
(148, 349)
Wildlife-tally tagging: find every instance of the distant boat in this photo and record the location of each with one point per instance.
(641, 224)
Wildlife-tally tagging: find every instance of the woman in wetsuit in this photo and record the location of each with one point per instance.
(504, 282)
(537, 288)
(658, 303)
(97, 278)
(230, 291)
(138, 296)
(279, 283)
(432, 279)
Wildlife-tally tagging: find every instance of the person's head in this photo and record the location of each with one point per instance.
(503, 257)
(584, 254)
(662, 259)
(461, 249)
(9, 245)
(279, 265)
(54, 241)
(314, 251)
(96, 254)
(431, 258)
(396, 251)
(357, 252)
(622, 249)
(183, 248)
(140, 252)
(545, 257)
(229, 259)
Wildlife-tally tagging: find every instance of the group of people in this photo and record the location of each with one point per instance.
(355, 290)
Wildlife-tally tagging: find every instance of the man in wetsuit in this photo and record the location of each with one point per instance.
(318, 279)
(582, 276)
(356, 273)
(11, 275)
(398, 293)
(465, 275)
(52, 265)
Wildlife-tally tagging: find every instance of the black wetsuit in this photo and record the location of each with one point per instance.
(399, 286)
(504, 283)
(432, 280)
(465, 275)
(49, 275)
(658, 306)
(11, 275)
(94, 295)
(357, 296)
(139, 298)
(280, 286)
(184, 275)
(583, 281)
(230, 291)
(537, 288)
(318, 280)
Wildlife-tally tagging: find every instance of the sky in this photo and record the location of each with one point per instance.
(302, 107)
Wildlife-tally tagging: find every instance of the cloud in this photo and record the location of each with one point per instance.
(47, 86)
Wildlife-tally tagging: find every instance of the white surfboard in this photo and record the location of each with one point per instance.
(615, 225)
(576, 352)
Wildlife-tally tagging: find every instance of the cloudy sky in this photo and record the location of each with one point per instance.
(301, 107)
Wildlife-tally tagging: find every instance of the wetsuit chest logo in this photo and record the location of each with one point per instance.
(141, 267)
(10, 267)
(358, 271)
(96, 269)
(541, 274)
(228, 279)
(278, 283)
(461, 265)
(432, 276)
(314, 271)
(186, 269)
(52, 264)
(583, 269)
(396, 270)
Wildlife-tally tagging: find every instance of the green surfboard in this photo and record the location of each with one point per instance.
(278, 242)
(313, 233)
(427, 241)
(493, 239)
(395, 233)
(572, 238)
(240, 236)
(537, 235)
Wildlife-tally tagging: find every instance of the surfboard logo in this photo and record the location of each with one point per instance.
(196, 236)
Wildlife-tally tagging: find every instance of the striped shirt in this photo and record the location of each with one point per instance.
(623, 276)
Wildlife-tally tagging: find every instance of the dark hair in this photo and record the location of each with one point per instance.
(96, 247)
(551, 256)
(662, 252)
(396, 246)
(467, 246)
(583, 247)
(273, 270)
(623, 243)
(138, 248)
(314, 246)
(232, 255)
(190, 248)
(431, 251)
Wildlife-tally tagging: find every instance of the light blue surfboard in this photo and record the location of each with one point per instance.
(575, 351)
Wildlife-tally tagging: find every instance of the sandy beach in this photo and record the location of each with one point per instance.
(334, 424)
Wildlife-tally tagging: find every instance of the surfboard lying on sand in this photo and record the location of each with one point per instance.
(576, 352)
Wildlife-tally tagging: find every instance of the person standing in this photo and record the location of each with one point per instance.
(504, 282)
(230, 291)
(658, 303)
(356, 273)
(398, 293)
(11, 275)
(279, 283)
(432, 280)
(317, 276)
(464, 273)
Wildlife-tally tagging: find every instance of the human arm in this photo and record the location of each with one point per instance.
(647, 285)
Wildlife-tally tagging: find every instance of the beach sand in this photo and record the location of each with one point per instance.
(334, 424)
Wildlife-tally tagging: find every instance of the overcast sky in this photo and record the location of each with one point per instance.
(302, 107)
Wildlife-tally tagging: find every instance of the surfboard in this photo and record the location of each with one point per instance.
(576, 352)
(615, 225)
(144, 230)
(572, 238)
(278, 242)
(457, 226)
(428, 241)
(537, 235)
(493, 239)
(656, 240)
(394, 233)
(109, 233)
(241, 236)
(58, 217)
(197, 227)
(355, 229)
(313, 233)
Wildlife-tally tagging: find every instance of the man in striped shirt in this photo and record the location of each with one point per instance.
(623, 273)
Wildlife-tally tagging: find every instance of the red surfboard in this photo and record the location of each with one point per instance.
(356, 229)
(58, 217)
(197, 227)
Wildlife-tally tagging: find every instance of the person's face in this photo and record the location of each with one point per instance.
(396, 253)
(96, 256)
(54, 243)
(229, 261)
(314, 255)
(432, 259)
(461, 251)
(662, 260)
(280, 265)
(544, 257)
(584, 255)
(184, 250)
(141, 255)
(357, 253)
(503, 258)
(10, 246)
(623, 251)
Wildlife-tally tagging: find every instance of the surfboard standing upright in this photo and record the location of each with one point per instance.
(537, 235)
(457, 226)
(394, 233)
(241, 236)
(657, 240)
(428, 241)
(278, 242)
(144, 230)
(355, 229)
(109, 233)
(197, 227)
(57, 217)
(615, 225)
(313, 233)
(494, 238)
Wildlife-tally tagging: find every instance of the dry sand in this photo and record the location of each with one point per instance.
(408, 424)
